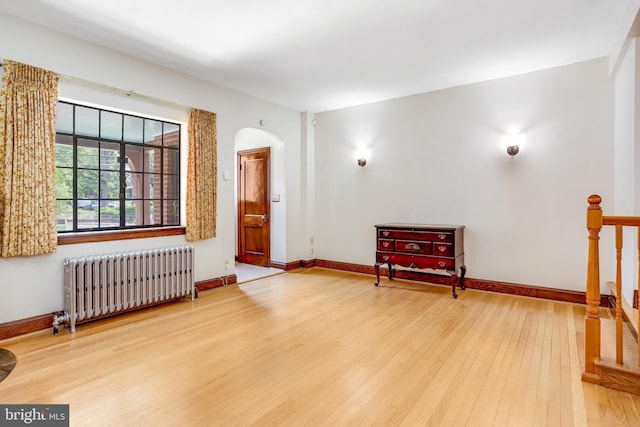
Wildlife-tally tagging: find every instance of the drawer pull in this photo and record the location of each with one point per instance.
(412, 246)
(385, 233)
(385, 244)
(442, 236)
(412, 265)
(442, 263)
(385, 257)
(442, 248)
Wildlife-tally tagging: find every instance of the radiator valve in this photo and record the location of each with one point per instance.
(60, 319)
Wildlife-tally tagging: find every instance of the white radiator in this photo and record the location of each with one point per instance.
(103, 285)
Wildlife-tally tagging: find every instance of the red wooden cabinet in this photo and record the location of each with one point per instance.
(423, 246)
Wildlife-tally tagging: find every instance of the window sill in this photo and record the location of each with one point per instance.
(105, 236)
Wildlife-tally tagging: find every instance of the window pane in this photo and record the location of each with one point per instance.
(147, 186)
(87, 218)
(64, 118)
(110, 214)
(133, 127)
(64, 150)
(88, 153)
(109, 156)
(111, 125)
(152, 132)
(133, 185)
(135, 157)
(152, 184)
(64, 183)
(110, 185)
(172, 187)
(86, 121)
(171, 135)
(151, 217)
(88, 184)
(152, 157)
(171, 212)
(133, 212)
(64, 215)
(172, 161)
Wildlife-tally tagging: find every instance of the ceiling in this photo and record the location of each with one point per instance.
(312, 55)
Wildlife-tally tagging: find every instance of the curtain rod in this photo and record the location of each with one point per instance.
(130, 92)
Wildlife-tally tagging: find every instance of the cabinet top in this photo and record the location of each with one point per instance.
(421, 226)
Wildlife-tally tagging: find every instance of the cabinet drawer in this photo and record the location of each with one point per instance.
(386, 244)
(416, 261)
(429, 236)
(442, 249)
(413, 247)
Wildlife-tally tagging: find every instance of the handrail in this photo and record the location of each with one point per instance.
(595, 222)
(627, 221)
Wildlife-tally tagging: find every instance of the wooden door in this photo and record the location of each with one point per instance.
(254, 235)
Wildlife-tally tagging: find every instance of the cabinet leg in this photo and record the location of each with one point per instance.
(463, 271)
(391, 272)
(377, 273)
(454, 281)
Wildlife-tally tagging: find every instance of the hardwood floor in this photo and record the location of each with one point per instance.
(322, 347)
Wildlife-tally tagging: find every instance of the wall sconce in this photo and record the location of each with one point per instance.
(512, 150)
(361, 155)
(513, 143)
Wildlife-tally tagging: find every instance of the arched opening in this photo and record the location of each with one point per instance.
(250, 139)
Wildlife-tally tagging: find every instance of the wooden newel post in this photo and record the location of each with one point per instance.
(592, 318)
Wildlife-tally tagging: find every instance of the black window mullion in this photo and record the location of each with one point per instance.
(74, 190)
(121, 192)
(75, 174)
(99, 174)
(178, 168)
(123, 186)
(144, 144)
(162, 151)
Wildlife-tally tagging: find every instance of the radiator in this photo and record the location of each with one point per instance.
(103, 285)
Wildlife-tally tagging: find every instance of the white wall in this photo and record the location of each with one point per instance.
(308, 188)
(33, 286)
(627, 158)
(436, 158)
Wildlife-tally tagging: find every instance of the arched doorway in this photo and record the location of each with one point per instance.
(256, 140)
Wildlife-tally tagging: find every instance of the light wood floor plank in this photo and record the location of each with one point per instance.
(319, 347)
(487, 405)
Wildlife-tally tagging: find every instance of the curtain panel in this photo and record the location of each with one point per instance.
(202, 176)
(28, 102)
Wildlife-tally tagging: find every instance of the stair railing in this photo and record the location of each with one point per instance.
(592, 339)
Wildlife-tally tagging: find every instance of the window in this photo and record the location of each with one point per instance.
(115, 170)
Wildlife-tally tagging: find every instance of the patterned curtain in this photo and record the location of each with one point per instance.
(27, 165)
(201, 179)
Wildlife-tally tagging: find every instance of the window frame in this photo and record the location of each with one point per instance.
(106, 236)
(166, 208)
